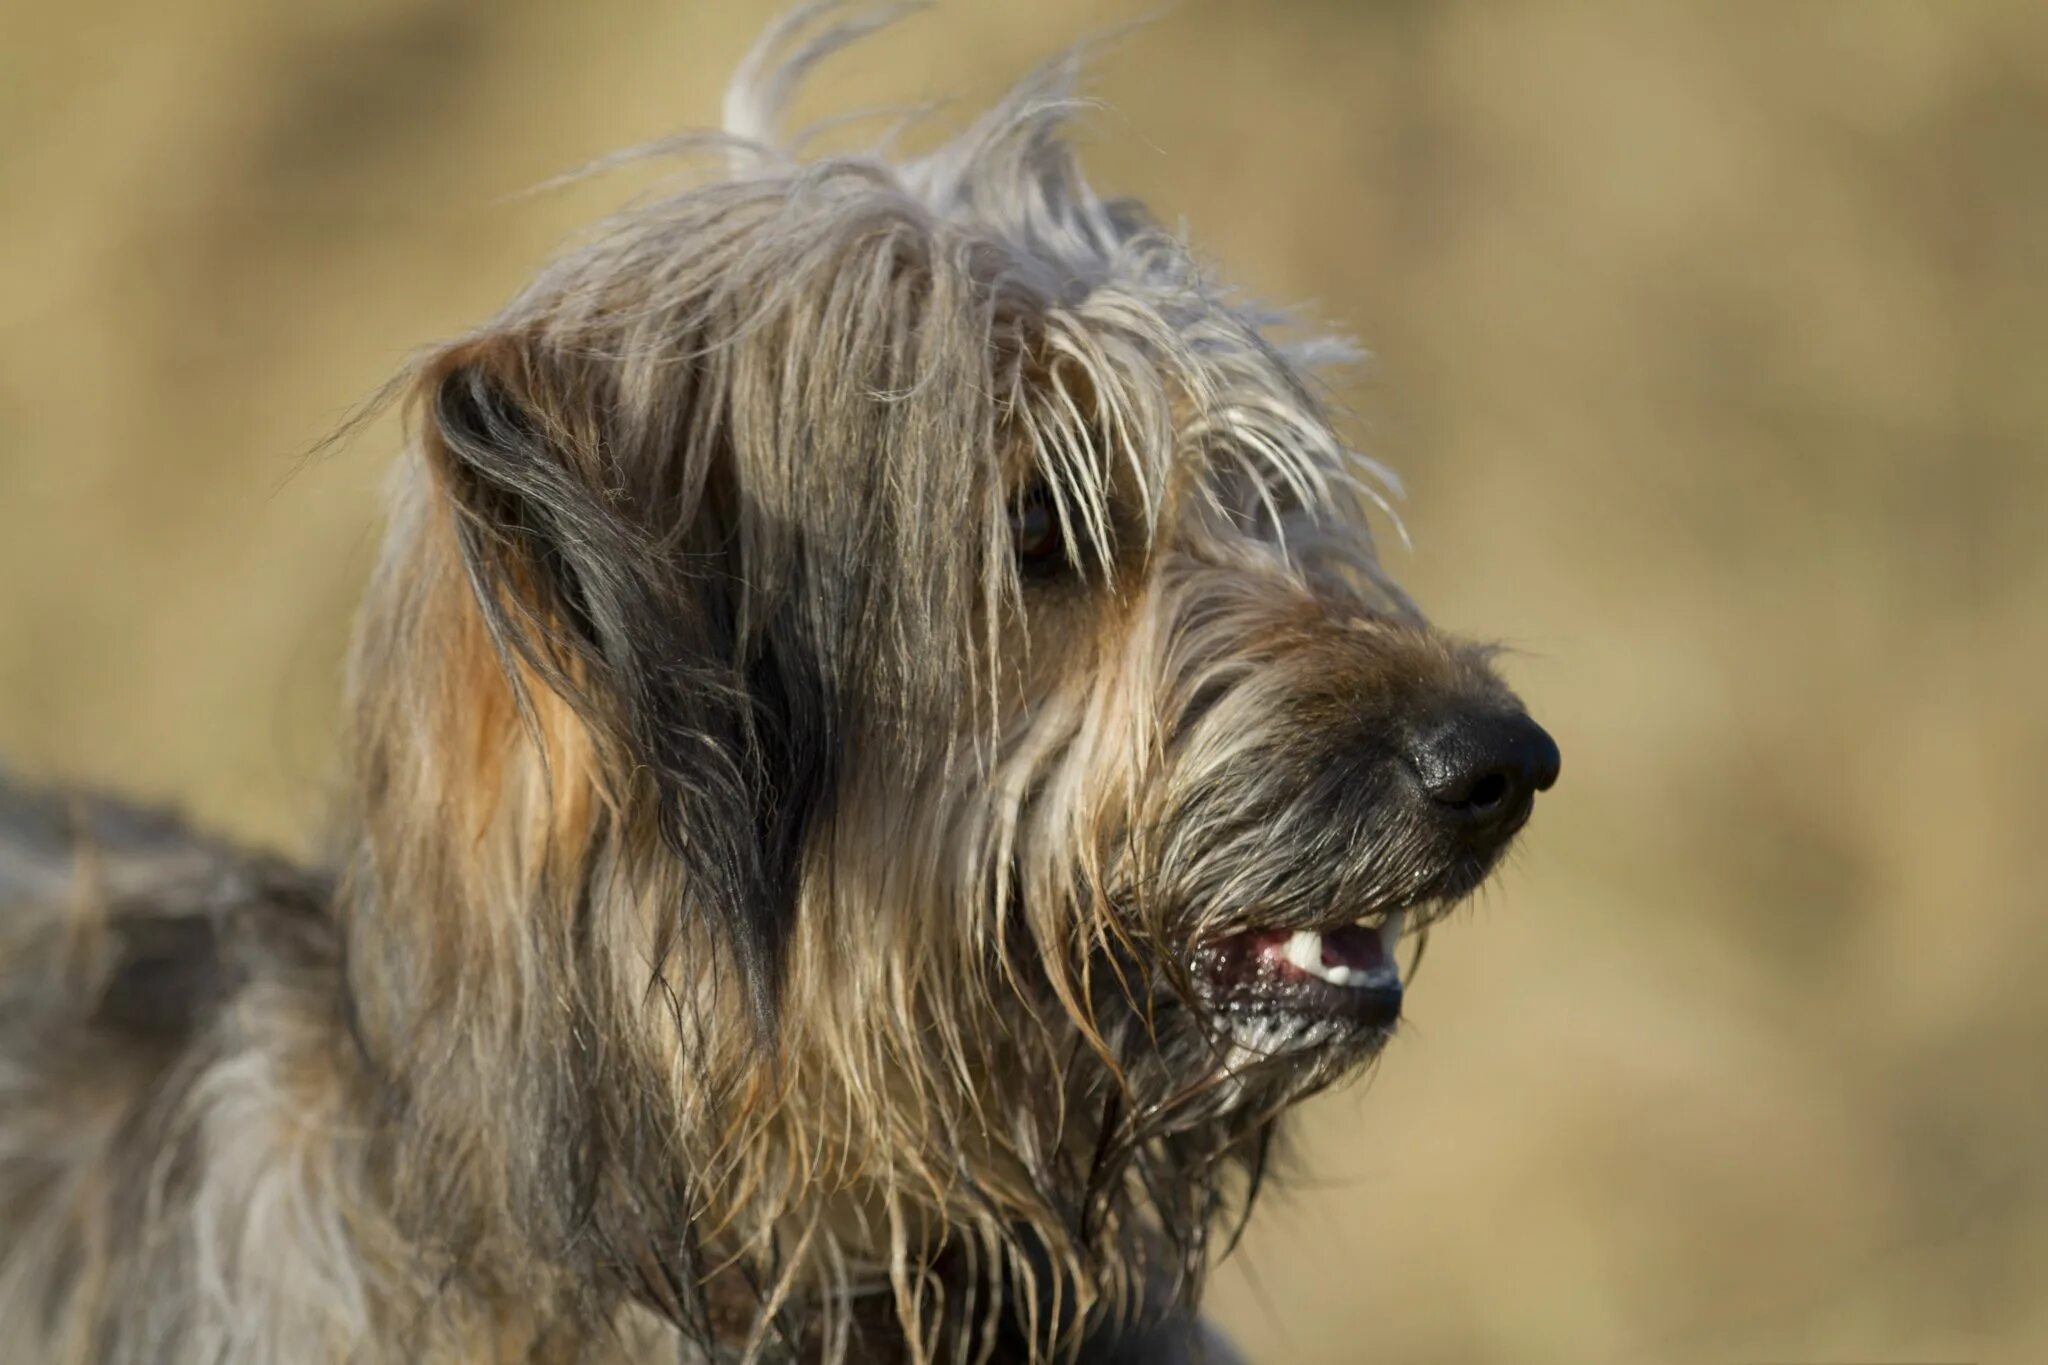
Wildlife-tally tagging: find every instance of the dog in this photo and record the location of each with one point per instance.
(883, 761)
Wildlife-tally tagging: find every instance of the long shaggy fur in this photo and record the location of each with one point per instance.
(765, 922)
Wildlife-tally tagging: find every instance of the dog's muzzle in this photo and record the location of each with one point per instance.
(1461, 787)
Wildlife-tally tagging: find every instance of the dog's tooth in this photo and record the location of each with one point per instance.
(1388, 972)
(1305, 950)
(1390, 932)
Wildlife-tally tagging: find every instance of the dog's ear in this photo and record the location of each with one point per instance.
(604, 552)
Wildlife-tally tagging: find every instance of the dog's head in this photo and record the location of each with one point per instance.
(895, 655)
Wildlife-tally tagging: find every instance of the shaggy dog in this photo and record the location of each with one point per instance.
(883, 763)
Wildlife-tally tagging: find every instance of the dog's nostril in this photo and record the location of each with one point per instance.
(1482, 769)
(1488, 792)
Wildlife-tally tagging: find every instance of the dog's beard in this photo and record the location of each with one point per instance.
(1230, 1033)
(1279, 966)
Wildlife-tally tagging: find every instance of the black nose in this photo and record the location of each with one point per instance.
(1482, 769)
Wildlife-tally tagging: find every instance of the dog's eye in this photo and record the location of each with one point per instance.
(1035, 528)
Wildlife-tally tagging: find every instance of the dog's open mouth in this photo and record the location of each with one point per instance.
(1342, 975)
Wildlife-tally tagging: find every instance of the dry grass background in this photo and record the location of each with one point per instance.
(1711, 343)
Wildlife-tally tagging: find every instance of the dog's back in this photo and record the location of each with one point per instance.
(115, 926)
(132, 951)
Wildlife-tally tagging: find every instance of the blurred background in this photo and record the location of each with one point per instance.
(1711, 340)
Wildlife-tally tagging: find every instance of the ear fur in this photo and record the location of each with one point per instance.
(611, 571)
